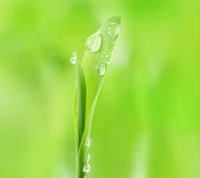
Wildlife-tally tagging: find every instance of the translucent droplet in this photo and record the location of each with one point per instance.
(101, 69)
(88, 157)
(94, 42)
(86, 168)
(89, 142)
(113, 29)
(74, 54)
(73, 60)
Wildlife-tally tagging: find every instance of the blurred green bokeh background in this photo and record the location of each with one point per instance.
(147, 120)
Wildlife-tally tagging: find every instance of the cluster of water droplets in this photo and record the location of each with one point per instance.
(101, 67)
(94, 44)
(87, 167)
(113, 30)
(109, 57)
(73, 60)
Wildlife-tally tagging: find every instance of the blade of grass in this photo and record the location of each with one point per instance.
(81, 89)
(79, 109)
(91, 74)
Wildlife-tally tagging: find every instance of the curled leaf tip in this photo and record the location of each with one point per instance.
(115, 19)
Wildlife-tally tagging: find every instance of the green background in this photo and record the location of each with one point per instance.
(147, 119)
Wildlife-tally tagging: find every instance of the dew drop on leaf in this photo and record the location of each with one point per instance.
(93, 43)
(101, 69)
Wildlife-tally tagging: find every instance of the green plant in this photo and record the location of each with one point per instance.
(90, 76)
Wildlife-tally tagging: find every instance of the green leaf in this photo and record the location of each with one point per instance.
(93, 63)
(98, 55)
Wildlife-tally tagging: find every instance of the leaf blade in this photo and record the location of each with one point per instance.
(94, 80)
(79, 103)
(90, 74)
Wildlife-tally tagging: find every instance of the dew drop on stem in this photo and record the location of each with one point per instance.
(73, 60)
(87, 159)
(89, 142)
(86, 168)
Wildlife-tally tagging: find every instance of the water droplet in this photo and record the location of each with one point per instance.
(87, 158)
(101, 69)
(73, 60)
(108, 58)
(113, 29)
(89, 142)
(94, 42)
(86, 168)
(74, 54)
